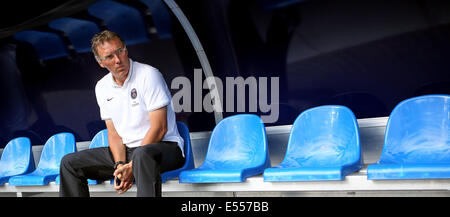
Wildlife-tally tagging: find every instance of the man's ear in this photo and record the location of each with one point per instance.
(103, 66)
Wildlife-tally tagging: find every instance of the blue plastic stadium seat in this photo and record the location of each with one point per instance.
(47, 45)
(161, 17)
(80, 32)
(17, 159)
(189, 163)
(48, 168)
(417, 141)
(323, 145)
(122, 19)
(237, 150)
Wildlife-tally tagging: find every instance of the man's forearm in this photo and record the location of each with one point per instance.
(158, 126)
(154, 134)
(117, 149)
(116, 145)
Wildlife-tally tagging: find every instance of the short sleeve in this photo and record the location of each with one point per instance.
(156, 94)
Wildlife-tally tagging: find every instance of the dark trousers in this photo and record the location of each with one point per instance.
(149, 162)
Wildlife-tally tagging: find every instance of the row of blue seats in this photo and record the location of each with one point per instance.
(127, 21)
(324, 144)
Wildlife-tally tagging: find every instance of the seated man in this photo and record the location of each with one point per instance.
(143, 137)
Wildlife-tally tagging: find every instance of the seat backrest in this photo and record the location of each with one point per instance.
(54, 149)
(80, 32)
(100, 139)
(160, 17)
(418, 131)
(189, 157)
(324, 136)
(17, 157)
(238, 142)
(47, 45)
(126, 21)
(184, 133)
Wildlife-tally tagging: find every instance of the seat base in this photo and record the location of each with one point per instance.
(408, 171)
(275, 174)
(213, 176)
(32, 179)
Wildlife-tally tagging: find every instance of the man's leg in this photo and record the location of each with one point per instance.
(77, 167)
(150, 161)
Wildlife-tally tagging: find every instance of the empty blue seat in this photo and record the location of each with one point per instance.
(189, 163)
(417, 141)
(17, 159)
(161, 17)
(80, 32)
(48, 168)
(122, 19)
(237, 150)
(323, 144)
(47, 45)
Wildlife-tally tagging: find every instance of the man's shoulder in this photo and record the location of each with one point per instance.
(143, 69)
(103, 82)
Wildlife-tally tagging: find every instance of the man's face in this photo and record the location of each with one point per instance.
(114, 57)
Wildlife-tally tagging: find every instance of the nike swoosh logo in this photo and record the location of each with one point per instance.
(109, 99)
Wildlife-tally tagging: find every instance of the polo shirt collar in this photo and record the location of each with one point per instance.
(130, 72)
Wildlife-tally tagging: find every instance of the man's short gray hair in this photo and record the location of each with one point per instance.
(100, 38)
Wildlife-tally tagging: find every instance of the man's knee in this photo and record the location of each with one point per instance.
(145, 153)
(67, 160)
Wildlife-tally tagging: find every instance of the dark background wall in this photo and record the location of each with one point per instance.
(368, 55)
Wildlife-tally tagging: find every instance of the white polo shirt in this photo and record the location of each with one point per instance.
(128, 106)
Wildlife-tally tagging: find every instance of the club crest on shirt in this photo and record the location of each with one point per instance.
(133, 93)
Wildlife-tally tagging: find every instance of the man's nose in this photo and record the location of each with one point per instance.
(116, 59)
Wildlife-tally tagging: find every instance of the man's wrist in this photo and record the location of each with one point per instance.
(116, 164)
